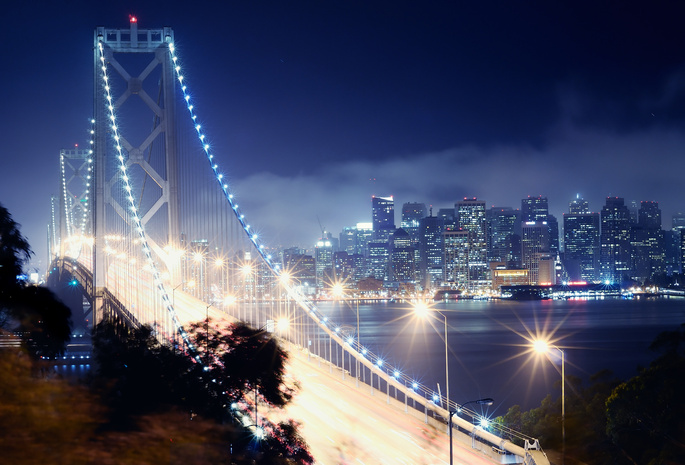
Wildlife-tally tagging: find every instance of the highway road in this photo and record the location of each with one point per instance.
(343, 424)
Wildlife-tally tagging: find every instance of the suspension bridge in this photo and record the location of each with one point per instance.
(148, 227)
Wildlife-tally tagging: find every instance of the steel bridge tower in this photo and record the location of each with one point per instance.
(122, 46)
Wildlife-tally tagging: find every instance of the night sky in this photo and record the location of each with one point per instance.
(314, 106)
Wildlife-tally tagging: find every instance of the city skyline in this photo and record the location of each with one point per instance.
(315, 108)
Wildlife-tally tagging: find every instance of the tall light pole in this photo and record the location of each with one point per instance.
(173, 297)
(486, 401)
(421, 309)
(543, 347)
(359, 340)
(207, 329)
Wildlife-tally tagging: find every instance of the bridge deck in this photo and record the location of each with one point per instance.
(343, 423)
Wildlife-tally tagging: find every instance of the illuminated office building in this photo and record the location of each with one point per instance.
(402, 269)
(535, 253)
(647, 242)
(456, 259)
(383, 217)
(471, 218)
(615, 241)
(581, 242)
(431, 251)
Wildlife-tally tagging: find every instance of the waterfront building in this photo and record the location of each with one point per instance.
(615, 241)
(323, 254)
(471, 218)
(402, 269)
(537, 209)
(377, 260)
(535, 252)
(581, 242)
(501, 276)
(456, 259)
(431, 251)
(647, 242)
(502, 223)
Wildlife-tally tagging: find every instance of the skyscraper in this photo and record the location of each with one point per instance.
(534, 209)
(581, 242)
(323, 254)
(678, 226)
(430, 251)
(383, 217)
(402, 258)
(456, 259)
(502, 225)
(578, 206)
(537, 209)
(615, 240)
(377, 260)
(535, 252)
(412, 214)
(471, 218)
(647, 242)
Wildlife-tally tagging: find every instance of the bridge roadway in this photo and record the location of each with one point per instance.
(345, 424)
(341, 422)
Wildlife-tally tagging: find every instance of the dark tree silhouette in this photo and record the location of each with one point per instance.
(646, 414)
(14, 253)
(136, 375)
(44, 321)
(34, 311)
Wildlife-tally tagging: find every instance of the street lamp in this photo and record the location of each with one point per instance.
(207, 329)
(422, 310)
(486, 401)
(173, 299)
(173, 291)
(544, 347)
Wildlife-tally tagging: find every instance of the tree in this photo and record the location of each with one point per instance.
(646, 414)
(14, 253)
(34, 311)
(136, 375)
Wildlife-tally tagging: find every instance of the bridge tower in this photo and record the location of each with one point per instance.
(144, 73)
(74, 201)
